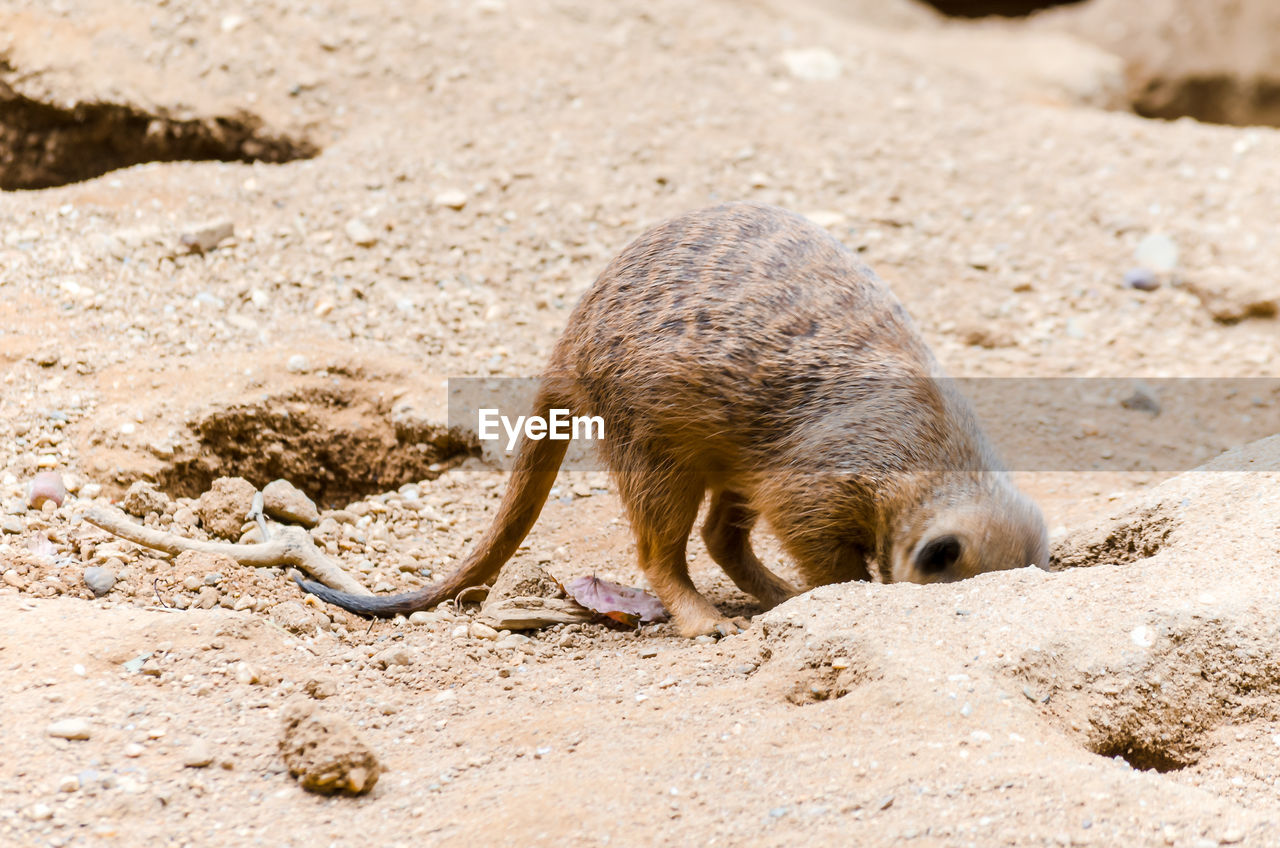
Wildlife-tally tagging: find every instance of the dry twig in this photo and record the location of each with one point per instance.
(290, 546)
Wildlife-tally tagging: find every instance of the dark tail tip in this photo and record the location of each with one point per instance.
(371, 606)
(309, 586)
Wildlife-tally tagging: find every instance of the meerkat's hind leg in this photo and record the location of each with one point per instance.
(727, 533)
(663, 506)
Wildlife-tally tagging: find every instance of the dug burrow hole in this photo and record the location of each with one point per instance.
(1141, 754)
(334, 445)
(44, 145)
(1218, 70)
(1121, 542)
(818, 673)
(819, 684)
(1003, 8)
(1211, 97)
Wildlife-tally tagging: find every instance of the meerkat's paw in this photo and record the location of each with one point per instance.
(731, 626)
(718, 627)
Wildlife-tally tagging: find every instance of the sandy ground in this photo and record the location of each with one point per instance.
(478, 163)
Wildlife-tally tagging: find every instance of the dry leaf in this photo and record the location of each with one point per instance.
(621, 603)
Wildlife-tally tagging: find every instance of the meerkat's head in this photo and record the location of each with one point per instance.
(1001, 529)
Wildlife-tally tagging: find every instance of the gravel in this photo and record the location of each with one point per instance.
(99, 579)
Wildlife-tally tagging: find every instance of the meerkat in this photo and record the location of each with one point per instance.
(742, 350)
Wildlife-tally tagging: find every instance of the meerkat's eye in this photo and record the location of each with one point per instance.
(938, 555)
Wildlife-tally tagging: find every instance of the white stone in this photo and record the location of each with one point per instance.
(451, 198)
(812, 64)
(197, 755)
(360, 233)
(1157, 252)
(70, 728)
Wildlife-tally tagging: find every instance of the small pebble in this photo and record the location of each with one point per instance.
(68, 783)
(99, 580)
(46, 486)
(399, 655)
(205, 237)
(517, 641)
(480, 630)
(286, 502)
(70, 728)
(813, 64)
(133, 749)
(1142, 279)
(451, 198)
(247, 674)
(1143, 399)
(197, 755)
(319, 688)
(39, 812)
(360, 233)
(1158, 252)
(298, 364)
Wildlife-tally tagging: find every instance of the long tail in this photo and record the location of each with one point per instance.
(531, 479)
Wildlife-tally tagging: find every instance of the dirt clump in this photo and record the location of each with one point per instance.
(524, 577)
(223, 509)
(323, 751)
(298, 619)
(144, 498)
(1232, 296)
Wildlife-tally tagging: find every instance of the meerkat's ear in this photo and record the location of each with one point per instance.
(938, 554)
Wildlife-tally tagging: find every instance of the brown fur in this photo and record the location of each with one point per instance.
(742, 350)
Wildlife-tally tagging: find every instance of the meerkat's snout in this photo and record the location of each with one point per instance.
(936, 558)
(973, 540)
(939, 556)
